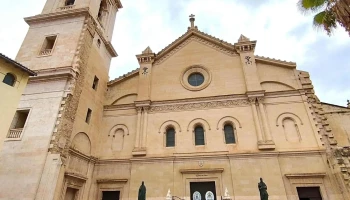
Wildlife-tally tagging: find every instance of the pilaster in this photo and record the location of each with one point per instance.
(263, 132)
(142, 108)
(246, 48)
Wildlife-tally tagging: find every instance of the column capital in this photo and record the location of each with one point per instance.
(244, 44)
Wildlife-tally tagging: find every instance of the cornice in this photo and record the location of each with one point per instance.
(216, 156)
(75, 175)
(82, 155)
(306, 175)
(57, 15)
(109, 180)
(195, 35)
(202, 170)
(120, 78)
(281, 63)
(53, 74)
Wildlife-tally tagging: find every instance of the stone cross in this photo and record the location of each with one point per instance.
(192, 19)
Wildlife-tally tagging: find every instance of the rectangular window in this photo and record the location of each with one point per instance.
(95, 83)
(71, 194)
(88, 115)
(110, 195)
(69, 2)
(18, 123)
(48, 45)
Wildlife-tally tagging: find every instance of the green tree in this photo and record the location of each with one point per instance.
(328, 13)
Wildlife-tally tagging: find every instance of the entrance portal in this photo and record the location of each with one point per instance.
(309, 193)
(203, 190)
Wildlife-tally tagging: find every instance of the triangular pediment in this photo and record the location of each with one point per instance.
(198, 36)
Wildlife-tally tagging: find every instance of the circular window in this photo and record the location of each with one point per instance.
(196, 79)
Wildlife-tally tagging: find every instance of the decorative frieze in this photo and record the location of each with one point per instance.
(197, 106)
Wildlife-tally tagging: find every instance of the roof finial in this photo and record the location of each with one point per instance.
(192, 19)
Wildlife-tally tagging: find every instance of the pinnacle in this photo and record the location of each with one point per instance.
(148, 50)
(243, 38)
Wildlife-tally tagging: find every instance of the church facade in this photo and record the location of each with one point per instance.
(201, 119)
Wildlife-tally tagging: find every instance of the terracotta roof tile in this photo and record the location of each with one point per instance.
(18, 65)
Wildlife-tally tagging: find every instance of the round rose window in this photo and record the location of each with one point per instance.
(196, 79)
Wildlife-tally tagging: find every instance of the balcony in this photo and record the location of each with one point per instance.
(69, 7)
(45, 52)
(14, 133)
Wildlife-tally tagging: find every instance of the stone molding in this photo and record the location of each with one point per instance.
(215, 156)
(111, 180)
(202, 170)
(192, 36)
(169, 123)
(197, 121)
(226, 119)
(289, 115)
(306, 175)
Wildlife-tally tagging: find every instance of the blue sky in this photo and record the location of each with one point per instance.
(281, 30)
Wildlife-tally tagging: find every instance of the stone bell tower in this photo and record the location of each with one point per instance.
(69, 46)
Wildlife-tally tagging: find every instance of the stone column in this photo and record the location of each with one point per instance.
(264, 120)
(256, 120)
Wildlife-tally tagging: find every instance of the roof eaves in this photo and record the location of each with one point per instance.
(276, 61)
(18, 65)
(120, 78)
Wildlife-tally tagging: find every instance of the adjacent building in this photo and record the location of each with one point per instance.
(14, 78)
(201, 119)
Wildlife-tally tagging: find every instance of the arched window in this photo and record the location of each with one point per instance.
(229, 134)
(9, 79)
(170, 137)
(199, 135)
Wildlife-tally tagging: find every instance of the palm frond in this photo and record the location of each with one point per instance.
(307, 6)
(325, 20)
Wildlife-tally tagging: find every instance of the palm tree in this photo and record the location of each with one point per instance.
(329, 12)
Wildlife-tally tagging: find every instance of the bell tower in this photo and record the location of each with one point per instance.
(69, 46)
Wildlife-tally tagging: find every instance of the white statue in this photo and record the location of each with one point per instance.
(226, 195)
(168, 196)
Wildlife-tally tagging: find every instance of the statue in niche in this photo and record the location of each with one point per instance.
(263, 190)
(142, 192)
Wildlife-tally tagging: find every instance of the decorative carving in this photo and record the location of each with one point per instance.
(260, 99)
(200, 163)
(252, 100)
(248, 61)
(145, 70)
(201, 105)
